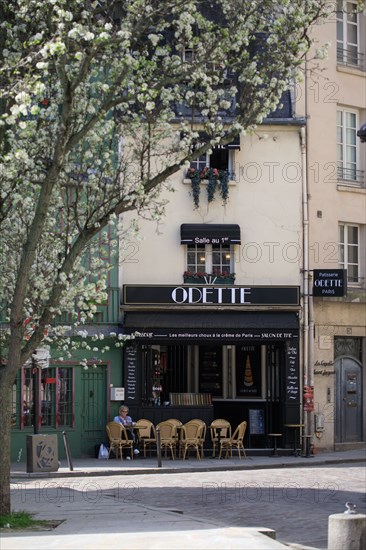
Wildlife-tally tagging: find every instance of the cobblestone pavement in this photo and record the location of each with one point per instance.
(296, 503)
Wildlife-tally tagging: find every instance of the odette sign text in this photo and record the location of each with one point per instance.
(206, 295)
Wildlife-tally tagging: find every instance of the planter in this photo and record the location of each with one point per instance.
(209, 280)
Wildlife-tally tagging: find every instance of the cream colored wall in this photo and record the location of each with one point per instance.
(265, 201)
(330, 87)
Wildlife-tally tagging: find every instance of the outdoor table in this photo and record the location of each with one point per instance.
(219, 430)
(133, 428)
(179, 437)
(274, 438)
(294, 428)
(307, 441)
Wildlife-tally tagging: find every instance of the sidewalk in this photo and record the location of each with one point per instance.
(88, 523)
(94, 467)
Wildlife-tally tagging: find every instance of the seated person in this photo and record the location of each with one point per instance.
(126, 421)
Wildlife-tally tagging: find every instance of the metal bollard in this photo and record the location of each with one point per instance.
(67, 450)
(347, 530)
(158, 447)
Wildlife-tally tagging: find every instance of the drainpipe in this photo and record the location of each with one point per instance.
(305, 270)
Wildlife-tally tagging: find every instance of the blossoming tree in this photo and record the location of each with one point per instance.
(91, 127)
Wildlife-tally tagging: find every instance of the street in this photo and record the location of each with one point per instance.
(295, 502)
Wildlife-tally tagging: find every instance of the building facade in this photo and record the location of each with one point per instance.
(236, 299)
(213, 292)
(334, 103)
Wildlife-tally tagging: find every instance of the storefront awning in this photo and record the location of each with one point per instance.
(209, 233)
(220, 326)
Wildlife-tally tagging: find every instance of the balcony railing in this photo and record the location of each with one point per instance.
(351, 176)
(351, 58)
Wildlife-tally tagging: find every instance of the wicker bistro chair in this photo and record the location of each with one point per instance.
(178, 425)
(191, 438)
(168, 436)
(216, 435)
(118, 439)
(236, 440)
(146, 434)
(203, 434)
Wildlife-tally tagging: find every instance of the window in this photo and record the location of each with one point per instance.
(347, 152)
(188, 55)
(210, 259)
(196, 258)
(221, 259)
(221, 158)
(55, 403)
(349, 251)
(348, 33)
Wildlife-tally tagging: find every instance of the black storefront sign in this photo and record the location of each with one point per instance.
(208, 295)
(204, 335)
(330, 282)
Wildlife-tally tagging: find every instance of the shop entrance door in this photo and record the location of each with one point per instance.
(93, 408)
(348, 404)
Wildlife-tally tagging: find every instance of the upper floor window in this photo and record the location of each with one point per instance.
(221, 158)
(347, 146)
(349, 251)
(348, 51)
(196, 258)
(215, 260)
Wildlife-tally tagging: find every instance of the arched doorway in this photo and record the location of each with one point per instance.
(348, 400)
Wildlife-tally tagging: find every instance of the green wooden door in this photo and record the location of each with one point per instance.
(93, 409)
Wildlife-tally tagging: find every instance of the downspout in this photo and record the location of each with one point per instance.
(305, 271)
(308, 320)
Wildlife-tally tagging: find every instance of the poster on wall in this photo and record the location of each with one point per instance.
(248, 371)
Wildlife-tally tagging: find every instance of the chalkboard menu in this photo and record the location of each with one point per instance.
(210, 378)
(256, 422)
(292, 372)
(131, 375)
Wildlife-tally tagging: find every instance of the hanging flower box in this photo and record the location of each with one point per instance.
(215, 179)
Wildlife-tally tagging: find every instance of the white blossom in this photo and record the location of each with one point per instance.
(73, 82)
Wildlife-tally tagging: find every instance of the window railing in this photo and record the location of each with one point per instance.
(350, 57)
(351, 176)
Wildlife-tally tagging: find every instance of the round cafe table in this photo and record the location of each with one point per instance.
(218, 429)
(135, 429)
(295, 428)
(274, 437)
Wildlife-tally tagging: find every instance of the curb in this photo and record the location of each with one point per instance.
(178, 470)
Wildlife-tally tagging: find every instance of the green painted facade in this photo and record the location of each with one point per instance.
(90, 410)
(73, 399)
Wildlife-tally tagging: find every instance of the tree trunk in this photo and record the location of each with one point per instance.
(5, 438)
